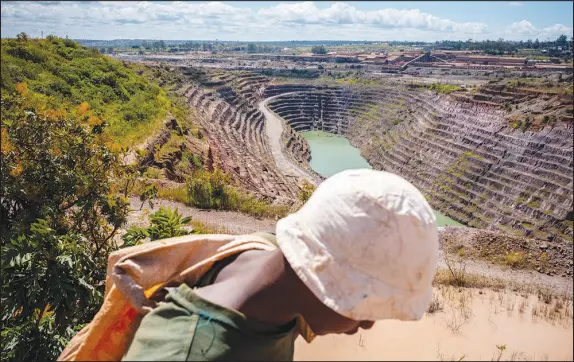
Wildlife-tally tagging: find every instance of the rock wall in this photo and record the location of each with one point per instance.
(462, 153)
(234, 127)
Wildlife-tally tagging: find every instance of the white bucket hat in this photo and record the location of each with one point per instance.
(366, 245)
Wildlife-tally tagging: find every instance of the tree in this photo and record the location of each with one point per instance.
(562, 41)
(536, 44)
(318, 49)
(110, 50)
(23, 37)
(251, 48)
(60, 209)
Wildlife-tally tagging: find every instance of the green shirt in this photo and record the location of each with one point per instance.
(186, 327)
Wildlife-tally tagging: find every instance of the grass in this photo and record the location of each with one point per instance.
(435, 306)
(515, 259)
(152, 172)
(177, 194)
(200, 227)
(172, 145)
(442, 88)
(212, 191)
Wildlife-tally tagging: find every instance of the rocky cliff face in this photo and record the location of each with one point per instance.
(226, 105)
(464, 150)
(465, 154)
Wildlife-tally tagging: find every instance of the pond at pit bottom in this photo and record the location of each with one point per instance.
(332, 153)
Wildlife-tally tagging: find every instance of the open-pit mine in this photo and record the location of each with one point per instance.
(494, 156)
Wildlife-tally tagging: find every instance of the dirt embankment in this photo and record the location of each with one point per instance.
(507, 250)
(462, 324)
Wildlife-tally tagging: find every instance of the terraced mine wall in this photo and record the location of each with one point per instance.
(226, 103)
(461, 152)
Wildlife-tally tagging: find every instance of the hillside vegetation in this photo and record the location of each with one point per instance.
(64, 74)
(69, 116)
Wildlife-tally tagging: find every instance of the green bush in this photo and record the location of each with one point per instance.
(165, 223)
(306, 191)
(210, 190)
(443, 88)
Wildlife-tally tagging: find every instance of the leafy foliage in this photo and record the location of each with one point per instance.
(210, 190)
(318, 49)
(165, 223)
(59, 168)
(307, 190)
(60, 209)
(47, 289)
(66, 74)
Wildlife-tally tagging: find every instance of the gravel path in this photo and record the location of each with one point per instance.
(238, 223)
(274, 129)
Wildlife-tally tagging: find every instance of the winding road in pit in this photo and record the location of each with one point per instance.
(273, 130)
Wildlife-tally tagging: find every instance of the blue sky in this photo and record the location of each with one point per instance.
(291, 20)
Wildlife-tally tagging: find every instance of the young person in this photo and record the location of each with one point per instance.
(363, 248)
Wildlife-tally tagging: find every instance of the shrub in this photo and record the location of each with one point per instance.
(443, 88)
(306, 191)
(515, 259)
(527, 124)
(212, 190)
(152, 172)
(165, 223)
(435, 306)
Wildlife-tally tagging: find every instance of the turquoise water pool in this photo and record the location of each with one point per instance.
(332, 153)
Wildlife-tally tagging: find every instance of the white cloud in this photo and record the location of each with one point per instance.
(515, 3)
(523, 28)
(526, 30)
(341, 13)
(284, 21)
(554, 31)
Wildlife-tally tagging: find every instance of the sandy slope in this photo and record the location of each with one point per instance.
(470, 327)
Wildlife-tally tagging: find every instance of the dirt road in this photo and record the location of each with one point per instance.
(234, 222)
(274, 129)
